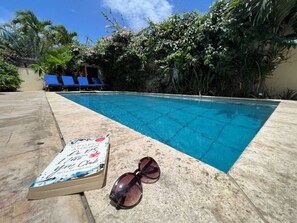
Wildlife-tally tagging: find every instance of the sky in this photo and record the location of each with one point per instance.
(85, 18)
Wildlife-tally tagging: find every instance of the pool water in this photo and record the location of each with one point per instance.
(215, 131)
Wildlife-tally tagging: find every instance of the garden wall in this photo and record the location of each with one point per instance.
(285, 75)
(31, 80)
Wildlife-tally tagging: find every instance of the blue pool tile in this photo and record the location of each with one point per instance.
(113, 112)
(181, 117)
(223, 116)
(236, 136)
(146, 115)
(165, 127)
(196, 145)
(195, 110)
(208, 127)
(221, 157)
(129, 120)
(163, 109)
(249, 122)
(130, 108)
(146, 130)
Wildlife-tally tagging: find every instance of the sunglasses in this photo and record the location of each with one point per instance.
(127, 190)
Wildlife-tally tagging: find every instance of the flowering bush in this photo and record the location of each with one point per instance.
(226, 51)
(120, 58)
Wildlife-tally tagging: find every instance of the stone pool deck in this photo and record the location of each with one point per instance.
(29, 141)
(260, 187)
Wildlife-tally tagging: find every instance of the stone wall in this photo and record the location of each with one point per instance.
(31, 80)
(285, 75)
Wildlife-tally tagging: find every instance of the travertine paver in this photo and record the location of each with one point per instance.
(29, 141)
(188, 190)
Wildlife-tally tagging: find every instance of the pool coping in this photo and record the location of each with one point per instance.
(241, 185)
(174, 95)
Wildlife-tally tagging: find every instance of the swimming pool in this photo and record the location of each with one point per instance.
(215, 131)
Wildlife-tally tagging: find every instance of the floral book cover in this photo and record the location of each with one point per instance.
(79, 158)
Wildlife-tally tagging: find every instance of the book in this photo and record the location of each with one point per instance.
(79, 167)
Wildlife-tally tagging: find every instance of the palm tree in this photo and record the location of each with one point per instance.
(277, 20)
(24, 36)
(27, 21)
(279, 15)
(59, 35)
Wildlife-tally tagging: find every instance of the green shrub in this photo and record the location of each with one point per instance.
(121, 59)
(9, 77)
(60, 60)
(289, 94)
(228, 51)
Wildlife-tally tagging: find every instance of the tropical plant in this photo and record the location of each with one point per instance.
(184, 51)
(228, 51)
(58, 35)
(280, 15)
(26, 20)
(121, 58)
(26, 36)
(114, 25)
(59, 61)
(289, 94)
(38, 68)
(266, 30)
(9, 77)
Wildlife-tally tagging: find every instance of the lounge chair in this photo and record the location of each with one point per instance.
(84, 83)
(51, 80)
(98, 81)
(68, 82)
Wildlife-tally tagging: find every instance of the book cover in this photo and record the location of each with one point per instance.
(80, 159)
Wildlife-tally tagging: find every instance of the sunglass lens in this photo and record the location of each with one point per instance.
(127, 191)
(149, 169)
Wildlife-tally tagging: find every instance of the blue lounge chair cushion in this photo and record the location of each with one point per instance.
(83, 81)
(98, 81)
(51, 80)
(68, 81)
